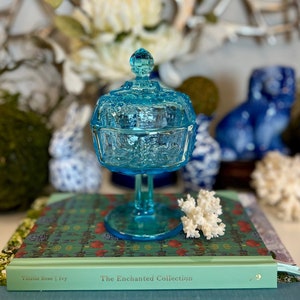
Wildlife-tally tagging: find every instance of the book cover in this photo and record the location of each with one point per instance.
(69, 249)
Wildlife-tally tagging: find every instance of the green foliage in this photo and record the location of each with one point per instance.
(203, 93)
(19, 235)
(54, 3)
(69, 26)
(24, 157)
(211, 18)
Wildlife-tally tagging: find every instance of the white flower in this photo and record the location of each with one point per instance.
(3, 35)
(108, 33)
(72, 81)
(202, 214)
(109, 62)
(59, 53)
(38, 86)
(119, 16)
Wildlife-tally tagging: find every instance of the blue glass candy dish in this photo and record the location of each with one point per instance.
(143, 129)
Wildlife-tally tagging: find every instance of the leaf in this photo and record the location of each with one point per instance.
(59, 52)
(72, 81)
(54, 3)
(48, 43)
(40, 42)
(69, 26)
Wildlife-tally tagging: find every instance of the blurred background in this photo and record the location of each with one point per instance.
(55, 53)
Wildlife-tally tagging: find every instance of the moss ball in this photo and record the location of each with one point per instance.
(24, 140)
(203, 93)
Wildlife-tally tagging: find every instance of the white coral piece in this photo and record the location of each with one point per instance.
(276, 179)
(202, 215)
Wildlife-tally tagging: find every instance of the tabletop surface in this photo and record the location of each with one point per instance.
(286, 291)
(287, 232)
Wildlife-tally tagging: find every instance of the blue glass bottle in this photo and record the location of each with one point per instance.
(143, 129)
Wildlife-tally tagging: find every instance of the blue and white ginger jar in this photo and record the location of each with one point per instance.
(201, 170)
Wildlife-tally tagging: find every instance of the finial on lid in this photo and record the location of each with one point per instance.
(141, 63)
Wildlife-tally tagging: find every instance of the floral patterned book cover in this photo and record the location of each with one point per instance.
(264, 228)
(69, 241)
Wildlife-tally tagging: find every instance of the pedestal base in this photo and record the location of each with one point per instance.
(125, 223)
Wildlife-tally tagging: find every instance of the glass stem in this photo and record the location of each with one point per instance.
(144, 195)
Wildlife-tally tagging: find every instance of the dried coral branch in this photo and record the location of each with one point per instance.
(202, 215)
(276, 179)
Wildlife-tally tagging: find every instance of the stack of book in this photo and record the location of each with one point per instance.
(69, 249)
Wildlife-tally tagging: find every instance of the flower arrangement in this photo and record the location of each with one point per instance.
(27, 72)
(89, 48)
(102, 35)
(202, 214)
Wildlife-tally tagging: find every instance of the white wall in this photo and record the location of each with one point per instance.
(231, 65)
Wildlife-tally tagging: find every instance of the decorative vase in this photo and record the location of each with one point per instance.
(255, 127)
(159, 180)
(143, 129)
(201, 170)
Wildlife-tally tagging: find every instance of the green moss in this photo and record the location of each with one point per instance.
(24, 140)
(15, 242)
(203, 93)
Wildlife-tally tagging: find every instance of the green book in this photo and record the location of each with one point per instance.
(69, 249)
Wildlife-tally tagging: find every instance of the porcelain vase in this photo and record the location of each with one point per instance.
(203, 167)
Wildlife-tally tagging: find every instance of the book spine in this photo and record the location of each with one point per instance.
(142, 278)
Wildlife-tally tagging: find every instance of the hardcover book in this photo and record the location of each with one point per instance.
(69, 249)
